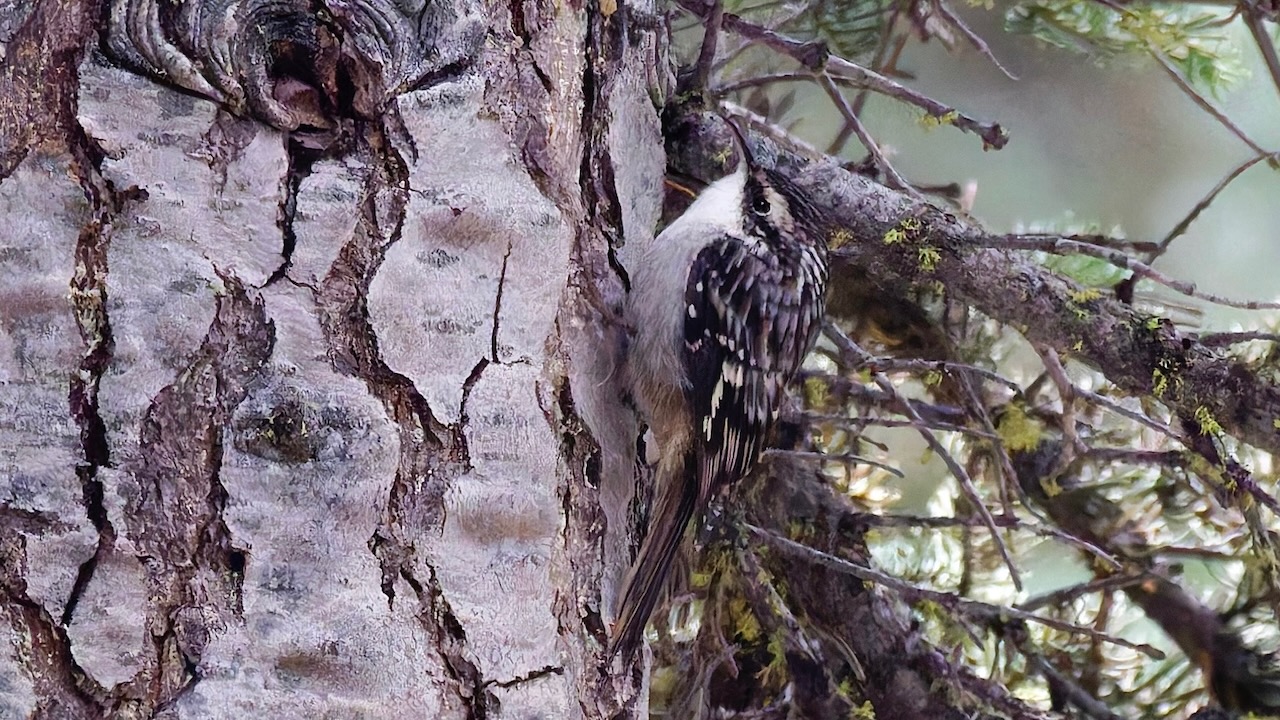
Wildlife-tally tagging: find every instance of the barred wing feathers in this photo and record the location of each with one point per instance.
(751, 318)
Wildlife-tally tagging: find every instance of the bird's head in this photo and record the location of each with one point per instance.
(772, 205)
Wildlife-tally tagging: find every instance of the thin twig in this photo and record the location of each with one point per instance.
(890, 364)
(891, 175)
(992, 134)
(1130, 456)
(1067, 396)
(1067, 594)
(762, 80)
(1074, 694)
(863, 420)
(933, 414)
(1140, 418)
(1203, 102)
(1063, 535)
(1223, 339)
(974, 39)
(817, 58)
(913, 521)
(857, 357)
(1004, 520)
(1057, 245)
(776, 25)
(880, 62)
(973, 608)
(846, 458)
(1253, 19)
(1206, 201)
(1006, 476)
(774, 131)
(707, 55)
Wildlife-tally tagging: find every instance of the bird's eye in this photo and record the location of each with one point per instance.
(760, 206)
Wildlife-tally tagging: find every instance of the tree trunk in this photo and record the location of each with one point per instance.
(295, 357)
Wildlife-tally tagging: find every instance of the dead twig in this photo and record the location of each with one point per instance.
(857, 357)
(1206, 201)
(1058, 245)
(974, 609)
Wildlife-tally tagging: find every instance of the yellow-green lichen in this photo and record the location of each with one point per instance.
(745, 623)
(930, 121)
(1208, 425)
(839, 238)
(1052, 488)
(1018, 431)
(907, 230)
(816, 392)
(1076, 299)
(775, 671)
(928, 257)
(1085, 295)
(1163, 375)
(865, 711)
(1159, 382)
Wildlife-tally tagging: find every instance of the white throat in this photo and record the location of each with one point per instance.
(720, 203)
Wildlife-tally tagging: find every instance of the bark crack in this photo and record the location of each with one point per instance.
(88, 293)
(538, 674)
(497, 304)
(301, 160)
(432, 454)
(464, 418)
(451, 642)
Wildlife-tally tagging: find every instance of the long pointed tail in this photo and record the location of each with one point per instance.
(676, 505)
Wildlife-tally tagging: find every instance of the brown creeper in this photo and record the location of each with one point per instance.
(726, 302)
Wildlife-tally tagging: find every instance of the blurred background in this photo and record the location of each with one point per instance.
(1112, 145)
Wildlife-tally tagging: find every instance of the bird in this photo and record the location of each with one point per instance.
(725, 304)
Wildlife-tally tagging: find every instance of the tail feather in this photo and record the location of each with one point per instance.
(676, 505)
